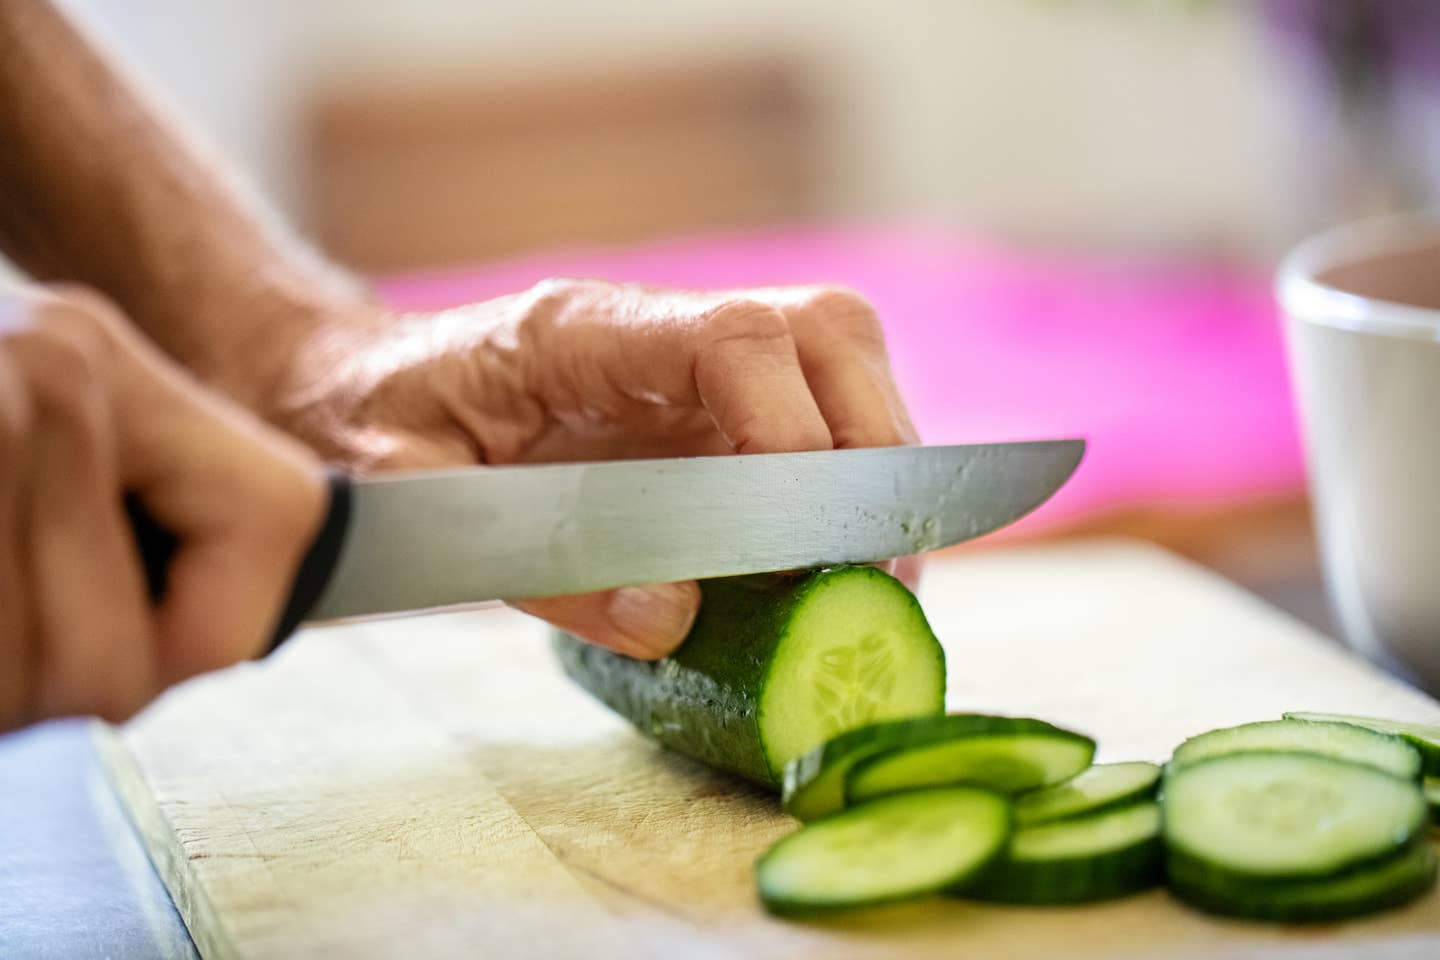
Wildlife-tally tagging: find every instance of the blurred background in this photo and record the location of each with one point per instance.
(1067, 211)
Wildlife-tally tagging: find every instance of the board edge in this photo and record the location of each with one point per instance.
(122, 772)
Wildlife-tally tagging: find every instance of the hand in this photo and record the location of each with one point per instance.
(586, 370)
(87, 412)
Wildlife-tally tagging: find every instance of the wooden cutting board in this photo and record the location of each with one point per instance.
(433, 787)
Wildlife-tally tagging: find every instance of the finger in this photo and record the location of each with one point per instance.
(842, 351)
(748, 376)
(245, 506)
(908, 570)
(223, 597)
(646, 622)
(604, 351)
(16, 656)
(244, 502)
(841, 346)
(89, 606)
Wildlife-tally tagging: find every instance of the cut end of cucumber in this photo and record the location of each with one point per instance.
(857, 649)
(1288, 815)
(898, 848)
(1342, 741)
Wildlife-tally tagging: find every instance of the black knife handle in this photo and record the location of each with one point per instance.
(157, 548)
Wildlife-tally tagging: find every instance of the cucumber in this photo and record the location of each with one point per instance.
(815, 781)
(1389, 883)
(1431, 789)
(1094, 857)
(1011, 755)
(1248, 818)
(1345, 741)
(896, 848)
(1101, 787)
(773, 666)
(1423, 737)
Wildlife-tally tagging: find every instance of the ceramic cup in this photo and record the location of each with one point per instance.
(1363, 307)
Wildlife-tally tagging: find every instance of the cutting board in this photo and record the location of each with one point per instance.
(433, 787)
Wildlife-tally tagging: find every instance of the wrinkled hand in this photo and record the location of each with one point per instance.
(586, 370)
(88, 412)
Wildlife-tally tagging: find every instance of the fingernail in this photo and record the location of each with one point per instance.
(653, 619)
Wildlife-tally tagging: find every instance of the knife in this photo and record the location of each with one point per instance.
(427, 539)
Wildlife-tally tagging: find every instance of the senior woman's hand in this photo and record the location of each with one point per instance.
(588, 370)
(570, 370)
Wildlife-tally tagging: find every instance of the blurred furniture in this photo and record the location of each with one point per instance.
(1173, 370)
(406, 174)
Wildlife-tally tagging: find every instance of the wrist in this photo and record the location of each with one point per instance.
(266, 347)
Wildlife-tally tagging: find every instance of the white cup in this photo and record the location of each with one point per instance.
(1364, 334)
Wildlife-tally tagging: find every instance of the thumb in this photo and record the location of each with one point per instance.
(645, 622)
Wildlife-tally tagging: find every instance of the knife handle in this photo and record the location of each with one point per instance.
(157, 547)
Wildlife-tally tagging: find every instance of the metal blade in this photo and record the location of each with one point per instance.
(457, 536)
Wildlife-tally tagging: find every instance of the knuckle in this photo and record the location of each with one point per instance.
(552, 294)
(291, 511)
(15, 417)
(62, 365)
(67, 339)
(66, 391)
(847, 311)
(563, 286)
(745, 321)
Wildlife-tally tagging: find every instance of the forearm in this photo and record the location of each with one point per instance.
(99, 186)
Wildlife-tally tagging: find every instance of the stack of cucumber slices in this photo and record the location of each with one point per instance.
(1308, 818)
(830, 685)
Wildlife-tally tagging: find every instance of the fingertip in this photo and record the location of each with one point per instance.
(654, 619)
(645, 622)
(908, 570)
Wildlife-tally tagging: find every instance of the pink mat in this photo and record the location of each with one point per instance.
(1173, 371)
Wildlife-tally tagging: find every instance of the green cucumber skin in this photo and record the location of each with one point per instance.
(1395, 881)
(1429, 749)
(853, 746)
(1119, 873)
(703, 700)
(1432, 797)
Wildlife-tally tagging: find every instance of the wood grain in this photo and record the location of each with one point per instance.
(433, 786)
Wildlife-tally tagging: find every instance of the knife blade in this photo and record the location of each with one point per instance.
(439, 538)
(429, 539)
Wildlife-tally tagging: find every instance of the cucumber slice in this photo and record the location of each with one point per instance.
(1431, 789)
(1015, 755)
(1101, 787)
(774, 665)
(1256, 816)
(1096, 857)
(1343, 741)
(815, 781)
(1389, 883)
(1422, 736)
(897, 848)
